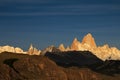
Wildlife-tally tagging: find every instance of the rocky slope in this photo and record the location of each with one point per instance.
(25, 67)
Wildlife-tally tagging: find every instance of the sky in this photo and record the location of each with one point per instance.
(52, 22)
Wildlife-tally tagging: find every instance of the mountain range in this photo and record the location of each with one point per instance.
(87, 44)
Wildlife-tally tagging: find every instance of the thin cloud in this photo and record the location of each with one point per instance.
(73, 9)
(25, 1)
(88, 6)
(94, 7)
(50, 13)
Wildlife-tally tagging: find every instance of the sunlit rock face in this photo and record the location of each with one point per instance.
(11, 49)
(107, 53)
(87, 43)
(33, 51)
(75, 45)
(7, 49)
(18, 50)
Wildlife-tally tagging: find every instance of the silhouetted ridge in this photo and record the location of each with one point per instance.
(73, 58)
(85, 59)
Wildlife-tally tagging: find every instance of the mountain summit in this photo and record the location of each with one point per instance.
(61, 47)
(75, 44)
(89, 40)
(33, 51)
(87, 43)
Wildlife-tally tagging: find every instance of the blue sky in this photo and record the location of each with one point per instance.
(51, 22)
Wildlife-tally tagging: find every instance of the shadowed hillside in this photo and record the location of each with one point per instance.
(26, 67)
(85, 59)
(74, 58)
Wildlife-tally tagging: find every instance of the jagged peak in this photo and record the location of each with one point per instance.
(74, 45)
(88, 39)
(75, 39)
(89, 34)
(61, 47)
(33, 51)
(31, 46)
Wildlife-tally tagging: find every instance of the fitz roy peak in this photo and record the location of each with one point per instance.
(89, 40)
(103, 52)
(87, 43)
